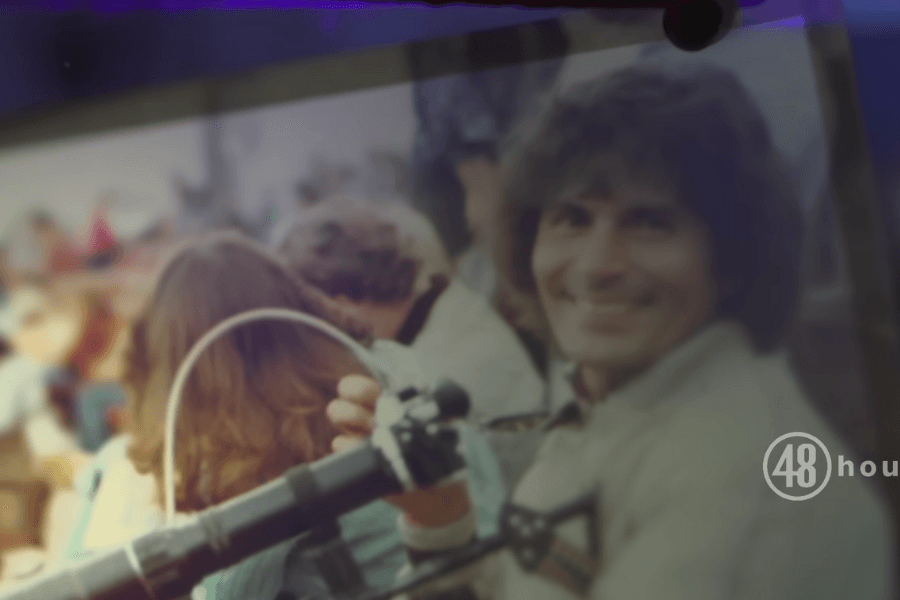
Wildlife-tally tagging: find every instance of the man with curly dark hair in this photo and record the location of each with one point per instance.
(653, 225)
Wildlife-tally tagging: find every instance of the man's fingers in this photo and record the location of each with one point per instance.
(343, 442)
(348, 415)
(361, 390)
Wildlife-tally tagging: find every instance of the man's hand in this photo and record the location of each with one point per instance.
(353, 412)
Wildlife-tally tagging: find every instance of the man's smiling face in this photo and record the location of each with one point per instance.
(624, 278)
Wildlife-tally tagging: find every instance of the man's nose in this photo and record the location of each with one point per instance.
(603, 254)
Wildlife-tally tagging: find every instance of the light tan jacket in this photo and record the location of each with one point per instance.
(686, 513)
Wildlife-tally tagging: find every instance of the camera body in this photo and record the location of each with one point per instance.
(413, 433)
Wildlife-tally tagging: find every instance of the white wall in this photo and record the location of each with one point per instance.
(67, 178)
(273, 147)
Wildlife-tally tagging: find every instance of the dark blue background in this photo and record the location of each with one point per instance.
(149, 42)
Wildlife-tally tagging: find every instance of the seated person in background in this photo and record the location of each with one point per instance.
(117, 303)
(97, 308)
(103, 248)
(71, 329)
(32, 333)
(92, 369)
(654, 223)
(253, 407)
(386, 264)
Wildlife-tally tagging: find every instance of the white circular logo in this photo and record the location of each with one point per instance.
(805, 475)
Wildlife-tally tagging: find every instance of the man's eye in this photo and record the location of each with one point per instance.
(651, 220)
(570, 215)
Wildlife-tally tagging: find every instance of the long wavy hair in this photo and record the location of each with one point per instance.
(254, 404)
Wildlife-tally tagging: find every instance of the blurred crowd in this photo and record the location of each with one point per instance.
(403, 254)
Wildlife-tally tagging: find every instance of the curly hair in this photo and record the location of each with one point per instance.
(380, 254)
(254, 404)
(696, 133)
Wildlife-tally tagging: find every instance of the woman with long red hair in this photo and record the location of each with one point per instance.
(254, 406)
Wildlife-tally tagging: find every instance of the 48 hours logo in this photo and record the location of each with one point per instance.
(797, 466)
